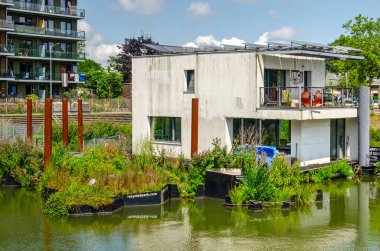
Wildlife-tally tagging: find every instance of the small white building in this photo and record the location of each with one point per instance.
(184, 98)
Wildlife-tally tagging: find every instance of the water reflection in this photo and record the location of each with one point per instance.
(347, 218)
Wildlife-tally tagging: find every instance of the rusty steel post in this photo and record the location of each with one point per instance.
(29, 126)
(65, 122)
(80, 125)
(48, 133)
(194, 126)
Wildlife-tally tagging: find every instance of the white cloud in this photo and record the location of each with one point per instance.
(95, 46)
(199, 9)
(272, 13)
(210, 40)
(285, 33)
(145, 7)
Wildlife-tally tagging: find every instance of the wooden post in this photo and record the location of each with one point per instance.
(65, 122)
(48, 133)
(80, 125)
(194, 126)
(29, 126)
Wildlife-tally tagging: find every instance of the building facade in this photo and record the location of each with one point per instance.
(183, 101)
(39, 43)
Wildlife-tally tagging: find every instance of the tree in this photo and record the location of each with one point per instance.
(132, 47)
(361, 33)
(105, 84)
(88, 66)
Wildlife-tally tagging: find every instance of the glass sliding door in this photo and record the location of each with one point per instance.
(273, 79)
(338, 139)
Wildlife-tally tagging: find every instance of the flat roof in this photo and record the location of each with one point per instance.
(292, 48)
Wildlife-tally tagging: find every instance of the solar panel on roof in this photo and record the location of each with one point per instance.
(158, 48)
(256, 46)
(347, 48)
(311, 45)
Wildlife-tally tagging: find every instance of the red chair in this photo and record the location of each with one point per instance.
(305, 98)
(318, 98)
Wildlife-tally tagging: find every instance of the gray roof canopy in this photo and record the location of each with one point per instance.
(293, 48)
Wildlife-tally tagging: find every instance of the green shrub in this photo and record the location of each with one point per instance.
(55, 206)
(238, 194)
(23, 162)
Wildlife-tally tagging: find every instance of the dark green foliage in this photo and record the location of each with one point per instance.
(22, 162)
(54, 206)
(375, 137)
(337, 168)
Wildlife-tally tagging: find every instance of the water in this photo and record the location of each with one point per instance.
(348, 219)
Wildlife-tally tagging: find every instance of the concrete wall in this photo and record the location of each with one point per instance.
(352, 139)
(310, 141)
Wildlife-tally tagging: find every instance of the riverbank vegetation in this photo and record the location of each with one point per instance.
(107, 171)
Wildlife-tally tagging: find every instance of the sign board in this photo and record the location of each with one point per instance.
(374, 153)
(296, 77)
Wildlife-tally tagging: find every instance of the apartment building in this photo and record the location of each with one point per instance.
(186, 97)
(38, 46)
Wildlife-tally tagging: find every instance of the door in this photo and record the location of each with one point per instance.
(28, 89)
(338, 139)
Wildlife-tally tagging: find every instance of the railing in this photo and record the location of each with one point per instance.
(42, 77)
(49, 32)
(6, 1)
(305, 98)
(6, 74)
(5, 24)
(9, 49)
(21, 52)
(72, 11)
(16, 104)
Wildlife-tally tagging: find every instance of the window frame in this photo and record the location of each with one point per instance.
(188, 81)
(175, 132)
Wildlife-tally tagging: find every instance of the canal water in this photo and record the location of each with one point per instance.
(347, 219)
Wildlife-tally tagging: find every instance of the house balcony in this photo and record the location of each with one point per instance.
(20, 53)
(6, 25)
(6, 2)
(48, 10)
(34, 31)
(298, 103)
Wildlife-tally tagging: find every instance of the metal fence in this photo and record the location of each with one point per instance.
(11, 132)
(95, 142)
(15, 105)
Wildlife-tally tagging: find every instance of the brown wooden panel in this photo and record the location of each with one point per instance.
(194, 126)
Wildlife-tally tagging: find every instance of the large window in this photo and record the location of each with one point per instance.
(166, 129)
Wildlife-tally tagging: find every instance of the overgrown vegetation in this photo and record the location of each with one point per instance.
(281, 182)
(22, 162)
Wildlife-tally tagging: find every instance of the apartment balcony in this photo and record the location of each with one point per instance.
(42, 77)
(6, 50)
(6, 2)
(6, 25)
(298, 103)
(34, 31)
(20, 53)
(48, 10)
(6, 75)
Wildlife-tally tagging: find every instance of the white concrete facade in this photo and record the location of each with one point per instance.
(228, 86)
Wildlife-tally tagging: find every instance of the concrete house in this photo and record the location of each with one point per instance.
(184, 98)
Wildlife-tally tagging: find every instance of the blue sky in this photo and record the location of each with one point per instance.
(212, 22)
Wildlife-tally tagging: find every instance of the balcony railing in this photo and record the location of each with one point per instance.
(6, 74)
(5, 24)
(6, 49)
(49, 32)
(43, 77)
(6, 2)
(21, 52)
(306, 98)
(72, 11)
